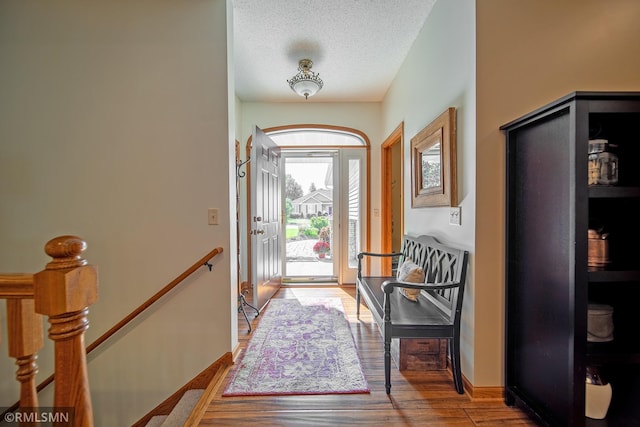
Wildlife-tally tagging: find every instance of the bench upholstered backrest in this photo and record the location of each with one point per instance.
(441, 264)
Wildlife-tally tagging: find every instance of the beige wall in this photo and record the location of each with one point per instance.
(528, 54)
(114, 125)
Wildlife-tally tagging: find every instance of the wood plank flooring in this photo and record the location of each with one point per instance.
(417, 398)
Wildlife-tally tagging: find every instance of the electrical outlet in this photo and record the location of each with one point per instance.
(454, 216)
(213, 216)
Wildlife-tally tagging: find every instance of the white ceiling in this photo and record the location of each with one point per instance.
(357, 46)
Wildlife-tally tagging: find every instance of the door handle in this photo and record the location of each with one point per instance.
(256, 232)
(257, 218)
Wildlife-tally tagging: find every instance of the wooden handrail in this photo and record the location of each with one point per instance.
(66, 251)
(121, 324)
(18, 285)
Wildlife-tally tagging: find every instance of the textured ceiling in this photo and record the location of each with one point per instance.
(357, 46)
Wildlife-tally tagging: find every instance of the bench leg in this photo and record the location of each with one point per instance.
(454, 350)
(387, 366)
(386, 334)
(387, 360)
(357, 301)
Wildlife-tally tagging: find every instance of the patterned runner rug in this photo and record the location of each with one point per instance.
(300, 347)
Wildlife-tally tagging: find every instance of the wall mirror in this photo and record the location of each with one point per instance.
(433, 163)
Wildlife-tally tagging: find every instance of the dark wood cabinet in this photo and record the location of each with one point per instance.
(550, 207)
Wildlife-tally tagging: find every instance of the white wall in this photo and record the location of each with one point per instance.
(113, 119)
(438, 73)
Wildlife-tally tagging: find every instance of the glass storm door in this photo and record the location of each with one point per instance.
(309, 248)
(323, 205)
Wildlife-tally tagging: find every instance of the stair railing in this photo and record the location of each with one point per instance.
(63, 291)
(204, 261)
(67, 283)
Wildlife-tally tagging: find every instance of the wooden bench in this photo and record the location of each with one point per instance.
(435, 314)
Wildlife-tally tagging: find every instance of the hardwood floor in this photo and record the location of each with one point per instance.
(417, 398)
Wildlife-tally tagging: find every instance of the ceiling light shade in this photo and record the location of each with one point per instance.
(306, 83)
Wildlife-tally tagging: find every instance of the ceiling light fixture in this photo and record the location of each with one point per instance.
(306, 83)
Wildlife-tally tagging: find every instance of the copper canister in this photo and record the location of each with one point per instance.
(598, 249)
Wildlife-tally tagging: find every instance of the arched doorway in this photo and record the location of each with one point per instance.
(325, 201)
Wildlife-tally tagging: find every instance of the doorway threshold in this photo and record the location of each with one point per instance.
(309, 281)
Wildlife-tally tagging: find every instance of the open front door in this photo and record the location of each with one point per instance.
(266, 217)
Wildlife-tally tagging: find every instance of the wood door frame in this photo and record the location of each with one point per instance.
(396, 137)
(246, 285)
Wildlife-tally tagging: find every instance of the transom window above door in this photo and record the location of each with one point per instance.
(316, 137)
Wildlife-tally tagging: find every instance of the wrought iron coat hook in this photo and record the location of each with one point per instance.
(239, 164)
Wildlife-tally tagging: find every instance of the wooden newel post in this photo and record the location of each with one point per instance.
(64, 291)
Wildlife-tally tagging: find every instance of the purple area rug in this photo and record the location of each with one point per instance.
(300, 347)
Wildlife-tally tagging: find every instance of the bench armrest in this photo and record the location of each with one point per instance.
(373, 254)
(389, 285)
(363, 254)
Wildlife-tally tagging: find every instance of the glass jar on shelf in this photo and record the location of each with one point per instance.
(603, 163)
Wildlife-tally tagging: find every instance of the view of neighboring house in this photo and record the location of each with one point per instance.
(312, 204)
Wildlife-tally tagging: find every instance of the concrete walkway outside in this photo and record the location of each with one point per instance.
(301, 250)
(303, 262)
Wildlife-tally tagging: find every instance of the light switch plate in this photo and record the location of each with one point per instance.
(213, 216)
(454, 216)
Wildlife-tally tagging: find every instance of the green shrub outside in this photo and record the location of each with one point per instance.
(318, 222)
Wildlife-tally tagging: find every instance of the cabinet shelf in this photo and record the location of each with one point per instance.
(610, 191)
(615, 352)
(613, 274)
